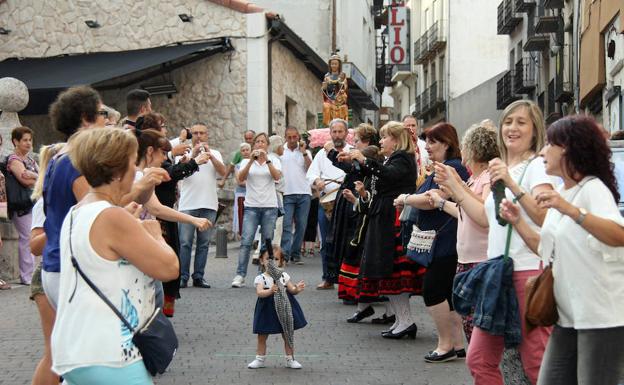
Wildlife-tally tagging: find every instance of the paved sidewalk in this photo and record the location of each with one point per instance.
(216, 342)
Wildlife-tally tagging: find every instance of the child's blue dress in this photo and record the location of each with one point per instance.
(265, 317)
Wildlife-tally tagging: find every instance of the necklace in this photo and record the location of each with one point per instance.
(110, 198)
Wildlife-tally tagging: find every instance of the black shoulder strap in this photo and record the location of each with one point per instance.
(89, 282)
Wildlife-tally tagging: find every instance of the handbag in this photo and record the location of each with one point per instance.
(156, 339)
(540, 302)
(18, 196)
(541, 306)
(4, 214)
(422, 244)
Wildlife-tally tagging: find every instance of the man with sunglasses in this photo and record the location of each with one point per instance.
(198, 197)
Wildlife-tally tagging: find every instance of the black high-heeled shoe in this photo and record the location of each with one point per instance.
(410, 331)
(360, 315)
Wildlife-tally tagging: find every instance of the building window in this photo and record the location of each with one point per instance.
(290, 110)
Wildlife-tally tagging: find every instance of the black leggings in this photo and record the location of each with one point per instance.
(438, 281)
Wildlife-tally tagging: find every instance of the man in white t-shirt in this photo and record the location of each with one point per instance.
(198, 197)
(297, 194)
(325, 177)
(422, 156)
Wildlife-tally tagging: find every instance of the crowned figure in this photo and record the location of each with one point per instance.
(334, 90)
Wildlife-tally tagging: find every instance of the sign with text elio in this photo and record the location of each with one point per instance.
(398, 34)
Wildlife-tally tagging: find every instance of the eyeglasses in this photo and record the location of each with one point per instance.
(104, 113)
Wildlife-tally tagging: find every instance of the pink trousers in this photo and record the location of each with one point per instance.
(485, 351)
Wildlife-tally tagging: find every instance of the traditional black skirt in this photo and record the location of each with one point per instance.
(265, 317)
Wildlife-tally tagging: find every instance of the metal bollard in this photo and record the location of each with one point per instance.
(221, 242)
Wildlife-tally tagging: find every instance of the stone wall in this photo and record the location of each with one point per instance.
(54, 27)
(292, 80)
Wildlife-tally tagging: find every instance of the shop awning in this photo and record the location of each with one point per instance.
(46, 77)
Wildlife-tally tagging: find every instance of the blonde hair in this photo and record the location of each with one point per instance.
(479, 143)
(113, 114)
(537, 118)
(398, 131)
(275, 142)
(101, 154)
(45, 154)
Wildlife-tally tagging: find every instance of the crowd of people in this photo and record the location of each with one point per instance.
(400, 212)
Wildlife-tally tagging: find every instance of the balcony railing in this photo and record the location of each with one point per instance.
(430, 101)
(553, 4)
(522, 6)
(420, 49)
(563, 74)
(536, 42)
(525, 76)
(507, 19)
(505, 94)
(548, 24)
(432, 41)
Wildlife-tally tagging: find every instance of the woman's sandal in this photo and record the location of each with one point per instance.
(4, 285)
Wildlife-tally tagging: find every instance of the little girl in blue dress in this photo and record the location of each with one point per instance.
(265, 316)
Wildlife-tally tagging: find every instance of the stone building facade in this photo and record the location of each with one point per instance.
(228, 90)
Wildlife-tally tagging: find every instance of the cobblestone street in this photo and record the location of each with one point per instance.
(216, 342)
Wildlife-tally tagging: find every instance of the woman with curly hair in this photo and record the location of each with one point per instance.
(478, 148)
(582, 235)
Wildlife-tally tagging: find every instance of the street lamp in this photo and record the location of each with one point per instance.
(92, 24)
(185, 17)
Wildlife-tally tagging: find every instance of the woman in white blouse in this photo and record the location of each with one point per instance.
(583, 233)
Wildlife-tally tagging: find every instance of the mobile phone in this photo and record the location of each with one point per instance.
(498, 190)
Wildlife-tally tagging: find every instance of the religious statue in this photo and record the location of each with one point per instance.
(334, 90)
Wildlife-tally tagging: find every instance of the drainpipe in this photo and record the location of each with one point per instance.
(333, 20)
(270, 80)
(577, 43)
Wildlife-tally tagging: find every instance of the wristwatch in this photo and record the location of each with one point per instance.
(268, 161)
(583, 213)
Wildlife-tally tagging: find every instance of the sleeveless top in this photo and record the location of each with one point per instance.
(86, 331)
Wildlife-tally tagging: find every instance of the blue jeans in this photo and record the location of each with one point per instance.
(187, 233)
(324, 223)
(253, 217)
(297, 207)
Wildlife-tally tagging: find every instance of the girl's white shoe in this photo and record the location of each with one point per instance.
(258, 363)
(292, 363)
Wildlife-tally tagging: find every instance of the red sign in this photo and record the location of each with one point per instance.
(398, 34)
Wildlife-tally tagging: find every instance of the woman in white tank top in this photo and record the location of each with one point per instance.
(120, 254)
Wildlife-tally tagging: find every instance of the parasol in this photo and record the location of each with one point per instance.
(282, 303)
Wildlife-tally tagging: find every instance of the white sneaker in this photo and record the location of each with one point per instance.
(238, 281)
(257, 363)
(293, 364)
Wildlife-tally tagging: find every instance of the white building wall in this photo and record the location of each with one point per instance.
(257, 71)
(476, 52)
(310, 19)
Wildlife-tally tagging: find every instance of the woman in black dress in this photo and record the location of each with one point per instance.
(384, 269)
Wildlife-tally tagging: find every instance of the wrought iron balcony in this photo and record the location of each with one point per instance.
(436, 36)
(432, 41)
(525, 76)
(420, 49)
(436, 95)
(522, 6)
(548, 24)
(507, 18)
(430, 101)
(505, 94)
(551, 112)
(564, 92)
(536, 42)
(553, 4)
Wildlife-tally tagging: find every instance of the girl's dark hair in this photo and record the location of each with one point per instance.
(447, 134)
(73, 105)
(372, 152)
(151, 138)
(586, 150)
